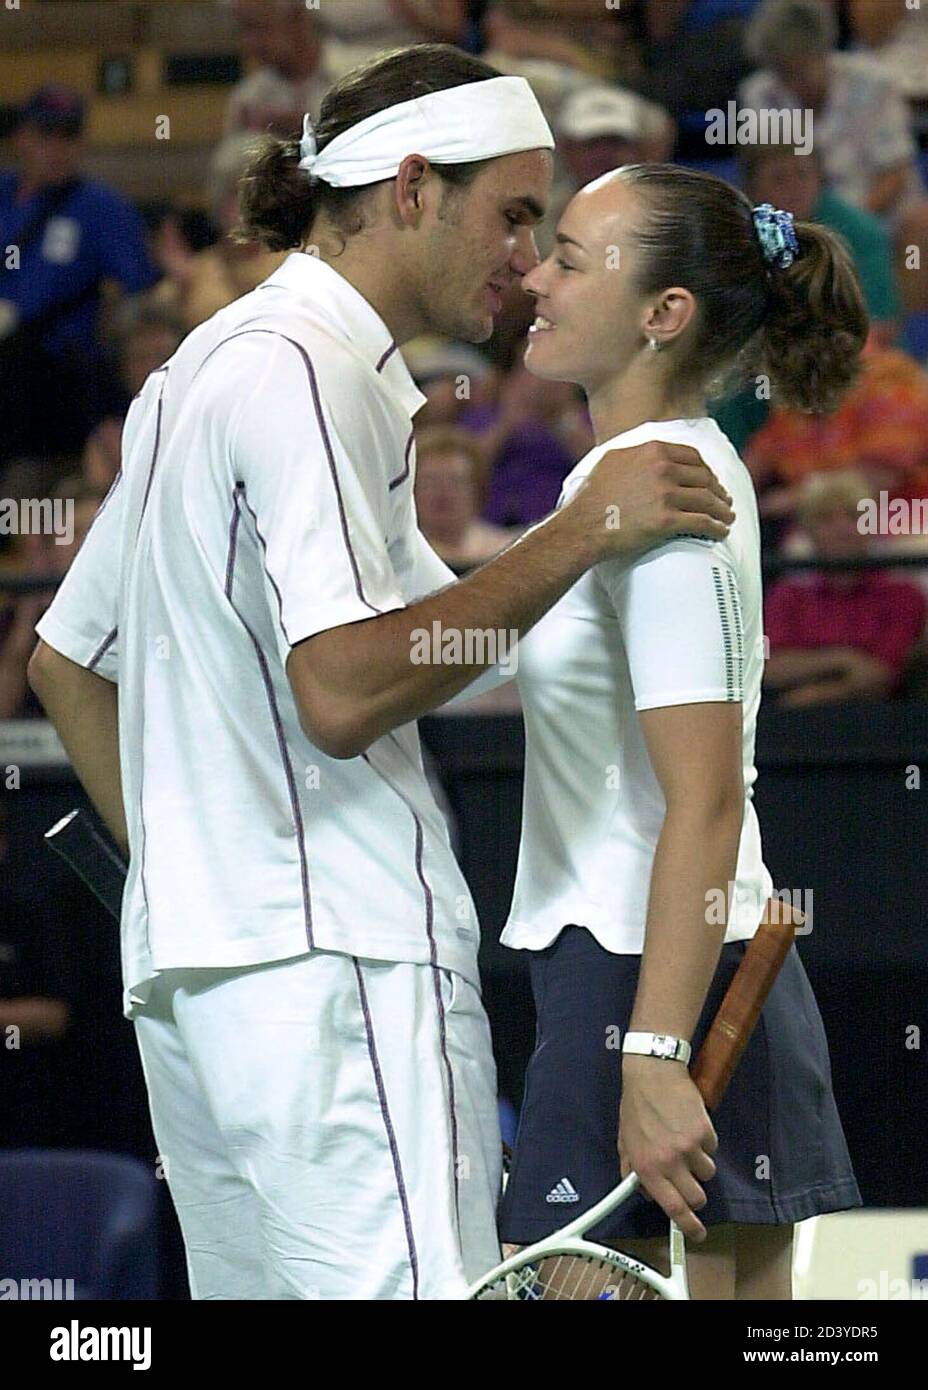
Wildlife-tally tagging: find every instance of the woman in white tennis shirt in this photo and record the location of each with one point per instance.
(640, 690)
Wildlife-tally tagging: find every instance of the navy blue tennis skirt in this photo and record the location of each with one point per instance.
(782, 1155)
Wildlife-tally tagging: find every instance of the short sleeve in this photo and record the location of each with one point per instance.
(679, 610)
(82, 621)
(304, 451)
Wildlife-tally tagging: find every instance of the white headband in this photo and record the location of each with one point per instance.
(458, 125)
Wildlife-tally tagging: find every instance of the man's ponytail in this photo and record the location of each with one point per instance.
(277, 200)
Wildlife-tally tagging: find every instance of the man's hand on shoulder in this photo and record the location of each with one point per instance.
(640, 497)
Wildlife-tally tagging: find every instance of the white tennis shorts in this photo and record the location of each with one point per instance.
(328, 1127)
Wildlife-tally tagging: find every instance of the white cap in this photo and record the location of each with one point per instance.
(598, 110)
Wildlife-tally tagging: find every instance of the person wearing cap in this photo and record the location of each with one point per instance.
(599, 126)
(62, 236)
(235, 663)
(602, 127)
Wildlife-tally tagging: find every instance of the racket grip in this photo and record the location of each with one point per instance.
(93, 857)
(746, 995)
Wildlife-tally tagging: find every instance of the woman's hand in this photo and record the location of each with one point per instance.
(666, 1137)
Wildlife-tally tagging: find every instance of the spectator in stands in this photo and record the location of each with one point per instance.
(453, 376)
(102, 454)
(896, 34)
(694, 52)
(842, 634)
(375, 25)
(862, 125)
(293, 66)
(601, 127)
(881, 426)
(71, 235)
(175, 235)
(42, 556)
(144, 335)
(450, 469)
(589, 39)
(532, 439)
(779, 175)
(215, 277)
(36, 990)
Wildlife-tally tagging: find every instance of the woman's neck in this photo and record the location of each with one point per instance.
(636, 396)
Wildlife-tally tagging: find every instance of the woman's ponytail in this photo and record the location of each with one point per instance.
(816, 324)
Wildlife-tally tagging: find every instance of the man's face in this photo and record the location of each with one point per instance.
(788, 181)
(480, 234)
(45, 156)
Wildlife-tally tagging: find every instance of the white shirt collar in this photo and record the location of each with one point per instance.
(353, 317)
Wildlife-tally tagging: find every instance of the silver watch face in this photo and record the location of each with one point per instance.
(664, 1047)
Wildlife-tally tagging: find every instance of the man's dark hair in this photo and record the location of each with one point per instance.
(279, 202)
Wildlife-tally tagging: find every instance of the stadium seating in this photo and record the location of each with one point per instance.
(81, 1216)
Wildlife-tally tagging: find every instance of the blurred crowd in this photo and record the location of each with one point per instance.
(100, 291)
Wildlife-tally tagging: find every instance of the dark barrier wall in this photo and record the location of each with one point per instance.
(843, 815)
(840, 815)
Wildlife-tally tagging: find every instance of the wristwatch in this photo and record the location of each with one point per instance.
(658, 1045)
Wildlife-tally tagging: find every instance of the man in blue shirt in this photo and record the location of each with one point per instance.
(61, 237)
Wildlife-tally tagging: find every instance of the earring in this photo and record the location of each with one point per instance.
(654, 345)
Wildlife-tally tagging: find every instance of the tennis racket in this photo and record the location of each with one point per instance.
(568, 1266)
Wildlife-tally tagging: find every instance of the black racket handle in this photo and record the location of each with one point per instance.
(92, 856)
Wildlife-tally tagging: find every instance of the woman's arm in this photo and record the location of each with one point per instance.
(696, 753)
(665, 1134)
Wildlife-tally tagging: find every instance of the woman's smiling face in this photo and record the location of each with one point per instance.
(584, 290)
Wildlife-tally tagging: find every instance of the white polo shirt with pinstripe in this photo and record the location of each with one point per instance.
(265, 495)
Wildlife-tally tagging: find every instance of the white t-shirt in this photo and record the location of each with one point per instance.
(682, 625)
(266, 494)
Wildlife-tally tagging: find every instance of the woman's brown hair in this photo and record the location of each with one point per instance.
(279, 202)
(803, 326)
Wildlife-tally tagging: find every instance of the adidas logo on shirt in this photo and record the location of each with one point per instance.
(564, 1191)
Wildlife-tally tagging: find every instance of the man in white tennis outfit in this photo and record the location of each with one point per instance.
(299, 945)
